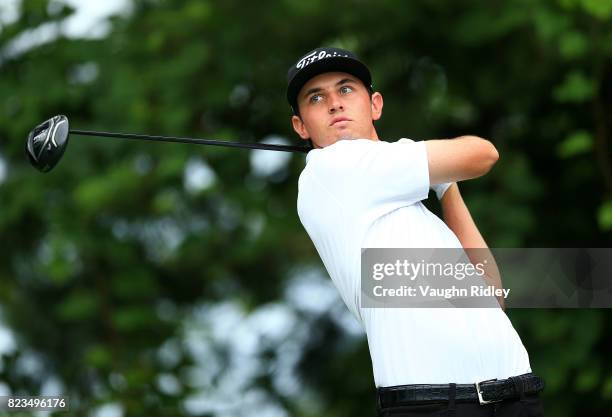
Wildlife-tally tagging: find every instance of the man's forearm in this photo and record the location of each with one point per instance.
(459, 220)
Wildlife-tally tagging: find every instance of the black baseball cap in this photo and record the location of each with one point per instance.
(318, 61)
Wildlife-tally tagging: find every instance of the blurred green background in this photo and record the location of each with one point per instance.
(164, 279)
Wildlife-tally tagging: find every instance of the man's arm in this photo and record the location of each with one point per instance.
(458, 218)
(462, 158)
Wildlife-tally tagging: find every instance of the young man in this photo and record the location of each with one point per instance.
(357, 191)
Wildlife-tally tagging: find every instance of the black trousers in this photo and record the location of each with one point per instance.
(529, 405)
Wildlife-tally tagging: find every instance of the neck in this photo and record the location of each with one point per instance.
(372, 136)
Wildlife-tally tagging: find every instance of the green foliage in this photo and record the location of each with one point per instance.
(605, 215)
(575, 88)
(576, 143)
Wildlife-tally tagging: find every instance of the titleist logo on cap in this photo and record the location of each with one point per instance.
(316, 56)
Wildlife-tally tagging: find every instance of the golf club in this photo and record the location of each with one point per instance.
(47, 142)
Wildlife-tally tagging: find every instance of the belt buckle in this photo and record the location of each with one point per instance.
(479, 393)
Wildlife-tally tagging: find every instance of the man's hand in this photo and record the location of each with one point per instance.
(462, 158)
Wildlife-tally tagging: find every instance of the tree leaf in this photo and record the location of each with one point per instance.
(576, 143)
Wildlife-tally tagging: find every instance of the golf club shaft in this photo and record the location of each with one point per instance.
(262, 146)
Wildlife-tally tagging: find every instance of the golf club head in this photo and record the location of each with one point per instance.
(47, 142)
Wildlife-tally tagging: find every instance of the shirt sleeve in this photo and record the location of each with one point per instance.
(376, 174)
(396, 172)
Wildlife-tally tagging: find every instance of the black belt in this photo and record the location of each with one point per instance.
(484, 392)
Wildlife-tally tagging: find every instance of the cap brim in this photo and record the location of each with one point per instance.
(335, 64)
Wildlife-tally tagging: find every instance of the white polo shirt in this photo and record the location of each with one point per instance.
(363, 193)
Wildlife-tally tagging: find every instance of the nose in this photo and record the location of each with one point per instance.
(335, 104)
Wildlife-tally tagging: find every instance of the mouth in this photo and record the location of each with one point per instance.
(339, 120)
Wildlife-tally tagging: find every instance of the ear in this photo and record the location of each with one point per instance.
(298, 126)
(377, 105)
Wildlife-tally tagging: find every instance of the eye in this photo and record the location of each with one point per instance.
(315, 98)
(345, 89)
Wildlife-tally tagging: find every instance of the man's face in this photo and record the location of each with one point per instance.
(334, 106)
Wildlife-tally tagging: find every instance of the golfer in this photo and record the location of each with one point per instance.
(357, 191)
